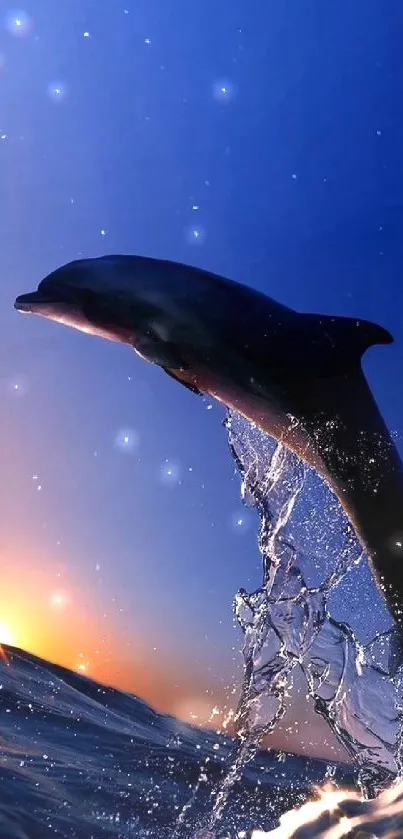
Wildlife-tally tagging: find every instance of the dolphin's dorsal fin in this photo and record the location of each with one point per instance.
(350, 337)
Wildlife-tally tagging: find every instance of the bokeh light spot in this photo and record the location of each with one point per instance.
(170, 473)
(126, 440)
(18, 23)
(57, 91)
(240, 521)
(223, 91)
(18, 385)
(59, 600)
(195, 235)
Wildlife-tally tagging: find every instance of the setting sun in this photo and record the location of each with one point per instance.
(7, 635)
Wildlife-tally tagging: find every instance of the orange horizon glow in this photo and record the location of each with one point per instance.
(45, 612)
(50, 616)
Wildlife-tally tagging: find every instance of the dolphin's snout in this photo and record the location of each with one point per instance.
(38, 301)
(28, 302)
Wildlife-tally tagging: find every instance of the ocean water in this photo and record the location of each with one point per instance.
(82, 760)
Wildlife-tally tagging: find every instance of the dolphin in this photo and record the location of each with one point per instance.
(297, 376)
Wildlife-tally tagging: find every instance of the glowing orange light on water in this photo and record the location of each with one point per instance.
(383, 814)
(7, 636)
(82, 664)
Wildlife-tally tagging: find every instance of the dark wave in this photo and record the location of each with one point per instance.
(82, 760)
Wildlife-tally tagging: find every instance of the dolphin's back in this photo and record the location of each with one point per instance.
(180, 280)
(273, 337)
(280, 343)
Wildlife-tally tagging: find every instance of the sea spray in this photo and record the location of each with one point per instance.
(356, 687)
(335, 814)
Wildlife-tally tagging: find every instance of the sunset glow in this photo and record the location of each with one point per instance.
(58, 617)
(43, 617)
(7, 635)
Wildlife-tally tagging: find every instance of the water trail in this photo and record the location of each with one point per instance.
(286, 625)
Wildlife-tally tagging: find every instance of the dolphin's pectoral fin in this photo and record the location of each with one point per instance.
(186, 384)
(163, 353)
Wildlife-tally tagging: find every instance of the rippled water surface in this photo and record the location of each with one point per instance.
(81, 760)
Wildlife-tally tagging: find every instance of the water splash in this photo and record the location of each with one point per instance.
(343, 813)
(288, 628)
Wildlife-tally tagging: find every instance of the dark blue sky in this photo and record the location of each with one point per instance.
(263, 141)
